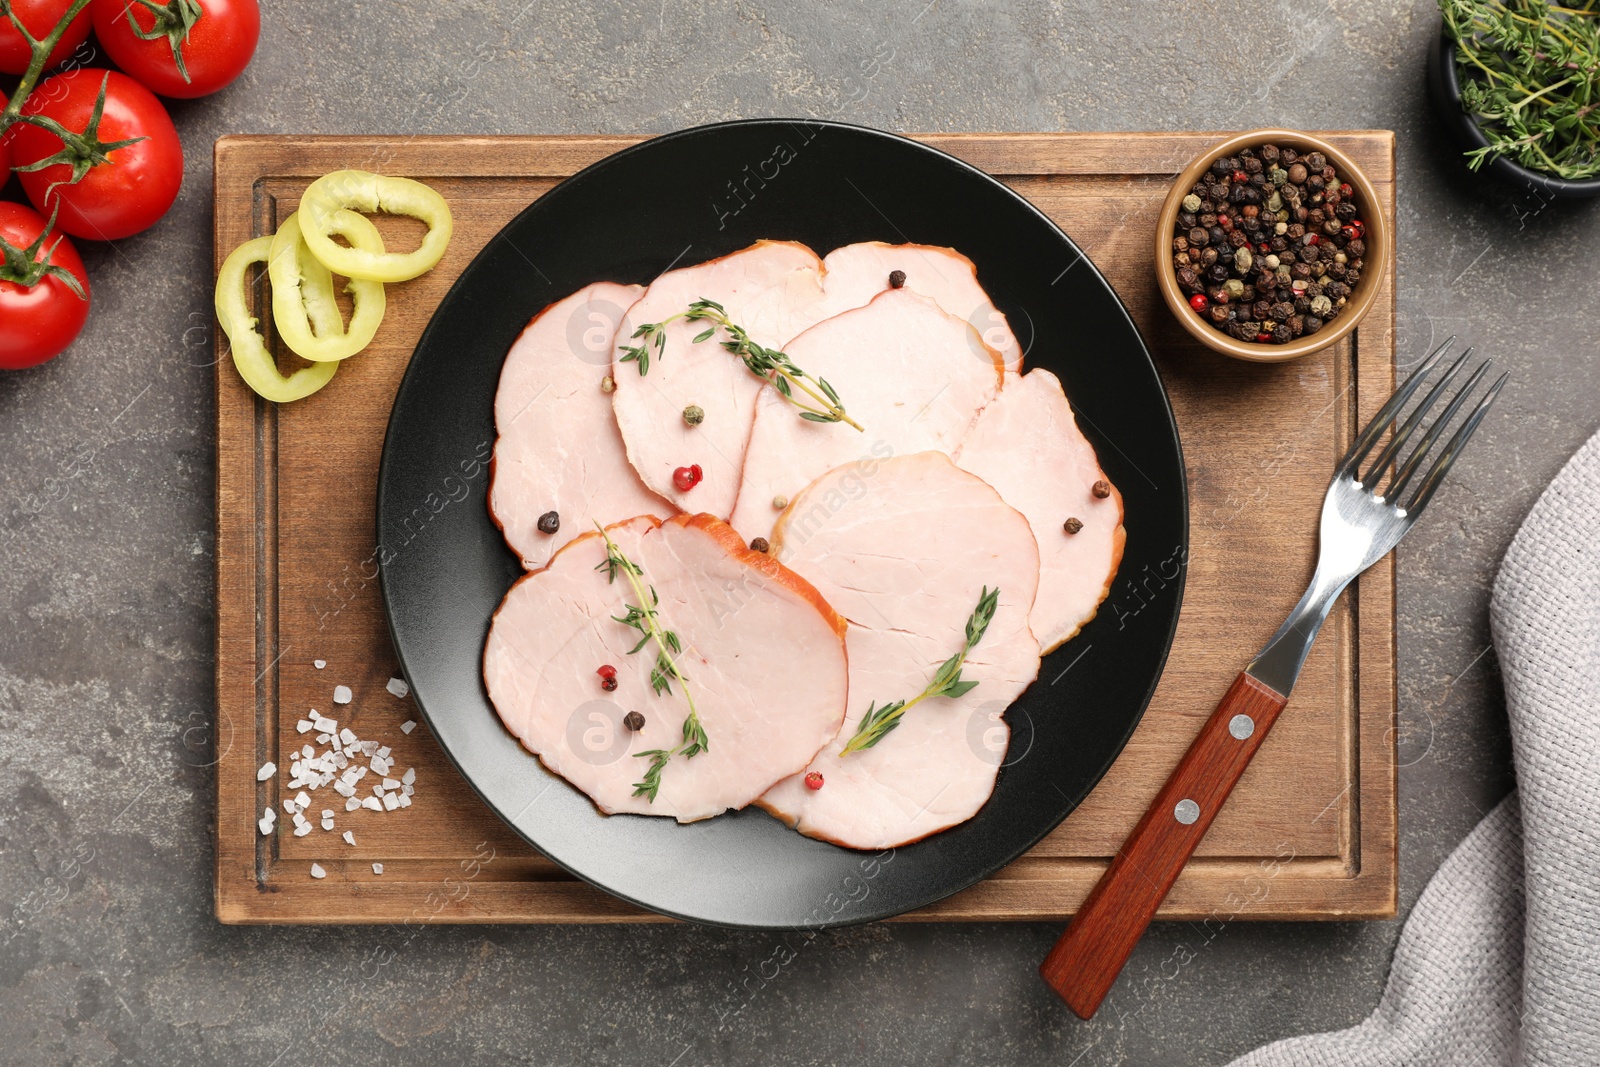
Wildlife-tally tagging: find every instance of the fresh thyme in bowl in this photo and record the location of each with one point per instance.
(878, 722)
(668, 646)
(766, 363)
(1530, 78)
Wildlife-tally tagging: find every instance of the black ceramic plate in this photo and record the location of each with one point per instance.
(691, 196)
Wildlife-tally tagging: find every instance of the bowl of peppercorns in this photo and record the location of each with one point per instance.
(1270, 246)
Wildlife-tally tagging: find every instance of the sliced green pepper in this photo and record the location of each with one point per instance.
(304, 308)
(360, 190)
(250, 355)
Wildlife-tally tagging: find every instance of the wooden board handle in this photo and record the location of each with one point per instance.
(1086, 961)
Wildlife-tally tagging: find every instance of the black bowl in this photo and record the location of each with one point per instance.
(1445, 91)
(627, 218)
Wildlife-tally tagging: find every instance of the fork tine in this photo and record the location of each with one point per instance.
(1373, 430)
(1447, 458)
(1397, 441)
(1403, 474)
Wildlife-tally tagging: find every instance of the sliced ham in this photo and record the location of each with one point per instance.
(903, 368)
(558, 447)
(763, 652)
(1028, 446)
(903, 548)
(854, 274)
(771, 289)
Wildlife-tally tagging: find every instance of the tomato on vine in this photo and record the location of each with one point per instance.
(5, 152)
(39, 17)
(180, 48)
(44, 290)
(98, 148)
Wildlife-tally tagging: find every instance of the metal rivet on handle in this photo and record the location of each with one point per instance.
(1241, 726)
(1186, 812)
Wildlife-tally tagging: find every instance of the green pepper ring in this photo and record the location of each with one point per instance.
(359, 190)
(303, 305)
(255, 364)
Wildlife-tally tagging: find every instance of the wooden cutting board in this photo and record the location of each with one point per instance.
(1310, 832)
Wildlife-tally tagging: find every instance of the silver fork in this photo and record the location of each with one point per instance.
(1364, 515)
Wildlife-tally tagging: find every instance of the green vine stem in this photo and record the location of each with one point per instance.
(41, 47)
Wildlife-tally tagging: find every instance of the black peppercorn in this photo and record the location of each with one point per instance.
(1101, 489)
(1187, 219)
(1313, 324)
(633, 721)
(1282, 310)
(609, 683)
(760, 544)
(1072, 526)
(1269, 153)
(897, 278)
(1316, 160)
(1197, 236)
(549, 522)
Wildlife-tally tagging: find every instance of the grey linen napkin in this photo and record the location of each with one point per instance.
(1499, 962)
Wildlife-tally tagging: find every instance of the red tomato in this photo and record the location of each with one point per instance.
(217, 49)
(38, 321)
(40, 16)
(115, 199)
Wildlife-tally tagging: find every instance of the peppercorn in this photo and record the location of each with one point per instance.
(1191, 203)
(1269, 153)
(549, 522)
(1297, 173)
(1219, 313)
(760, 544)
(1197, 236)
(633, 721)
(1218, 272)
(1072, 525)
(608, 384)
(1288, 157)
(1188, 279)
(686, 478)
(694, 415)
(779, 503)
(1313, 323)
(814, 780)
(1101, 489)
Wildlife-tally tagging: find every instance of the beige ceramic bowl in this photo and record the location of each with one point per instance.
(1375, 268)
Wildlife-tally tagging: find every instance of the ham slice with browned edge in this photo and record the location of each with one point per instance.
(558, 448)
(762, 651)
(905, 369)
(1028, 446)
(903, 548)
(771, 290)
(856, 273)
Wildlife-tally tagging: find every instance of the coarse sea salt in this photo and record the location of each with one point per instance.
(304, 726)
(268, 769)
(398, 686)
(319, 663)
(317, 871)
(377, 868)
(349, 838)
(407, 726)
(341, 694)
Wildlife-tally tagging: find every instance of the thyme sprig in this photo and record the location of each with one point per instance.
(768, 364)
(1530, 77)
(647, 621)
(878, 722)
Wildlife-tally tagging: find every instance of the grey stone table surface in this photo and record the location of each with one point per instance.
(106, 554)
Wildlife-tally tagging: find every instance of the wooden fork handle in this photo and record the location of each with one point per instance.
(1086, 961)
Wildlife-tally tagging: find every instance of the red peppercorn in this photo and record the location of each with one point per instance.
(1225, 222)
(1351, 232)
(1240, 177)
(686, 478)
(1345, 190)
(606, 671)
(1263, 337)
(813, 780)
(1199, 302)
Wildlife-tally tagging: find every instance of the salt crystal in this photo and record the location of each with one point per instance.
(268, 769)
(319, 663)
(327, 824)
(303, 799)
(290, 806)
(301, 831)
(341, 694)
(349, 838)
(340, 760)
(323, 739)
(377, 868)
(405, 798)
(347, 736)
(299, 820)
(352, 804)
(304, 726)
(369, 748)
(407, 790)
(372, 803)
(390, 802)
(265, 825)
(344, 788)
(327, 813)
(307, 751)
(317, 871)
(391, 783)
(268, 813)
(407, 726)
(398, 687)
(410, 775)
(377, 790)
